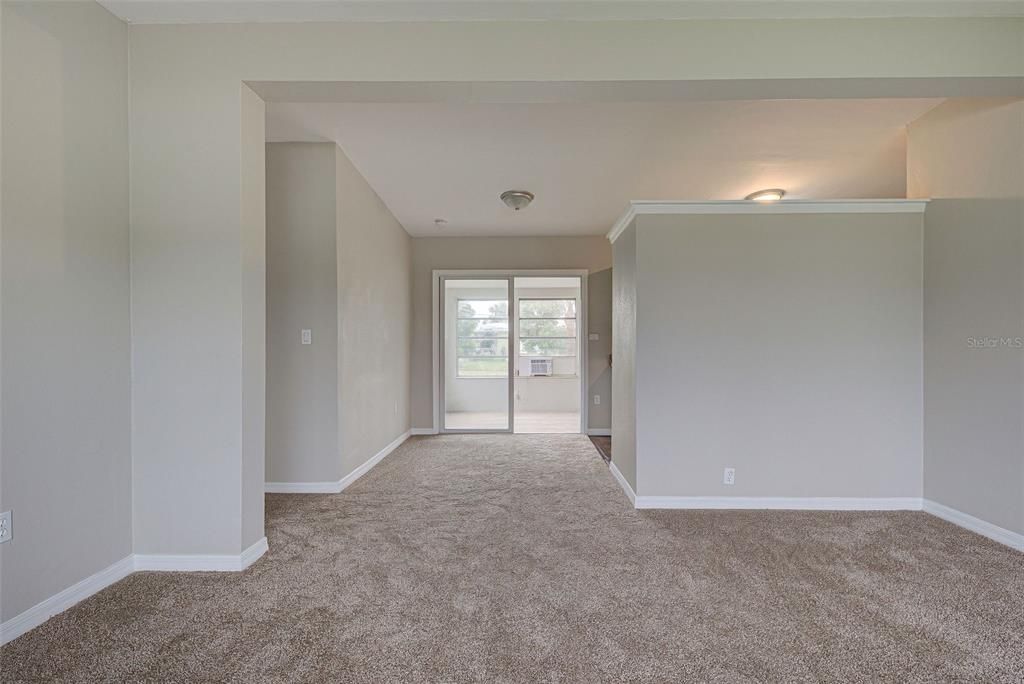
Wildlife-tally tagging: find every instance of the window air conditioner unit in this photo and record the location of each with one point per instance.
(540, 366)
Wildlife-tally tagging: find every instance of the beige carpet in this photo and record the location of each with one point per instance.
(517, 558)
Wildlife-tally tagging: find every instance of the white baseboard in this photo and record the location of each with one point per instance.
(373, 460)
(423, 431)
(336, 486)
(621, 479)
(977, 525)
(201, 562)
(58, 603)
(303, 487)
(799, 503)
(599, 432)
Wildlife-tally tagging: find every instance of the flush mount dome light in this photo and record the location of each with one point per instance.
(517, 199)
(772, 195)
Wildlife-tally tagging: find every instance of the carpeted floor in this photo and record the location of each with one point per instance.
(486, 558)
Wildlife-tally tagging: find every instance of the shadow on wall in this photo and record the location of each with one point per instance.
(599, 371)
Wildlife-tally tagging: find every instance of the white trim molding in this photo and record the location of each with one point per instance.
(201, 562)
(423, 431)
(599, 432)
(781, 503)
(61, 601)
(621, 479)
(336, 486)
(795, 206)
(976, 525)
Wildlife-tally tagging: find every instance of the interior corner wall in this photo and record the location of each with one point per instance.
(624, 294)
(66, 468)
(302, 294)
(490, 253)
(968, 155)
(253, 212)
(786, 346)
(374, 255)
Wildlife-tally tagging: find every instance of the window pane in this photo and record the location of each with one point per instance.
(482, 327)
(483, 368)
(547, 308)
(483, 308)
(468, 346)
(538, 346)
(547, 327)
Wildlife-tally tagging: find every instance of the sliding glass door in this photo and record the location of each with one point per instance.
(476, 369)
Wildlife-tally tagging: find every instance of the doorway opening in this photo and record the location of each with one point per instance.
(511, 350)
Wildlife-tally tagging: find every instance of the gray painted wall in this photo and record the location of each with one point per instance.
(254, 315)
(302, 293)
(974, 405)
(338, 264)
(429, 254)
(624, 294)
(786, 346)
(599, 370)
(970, 155)
(66, 469)
(374, 255)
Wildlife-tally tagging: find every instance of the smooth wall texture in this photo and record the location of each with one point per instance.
(186, 167)
(253, 208)
(302, 293)
(65, 286)
(624, 294)
(484, 253)
(969, 155)
(599, 351)
(785, 346)
(374, 319)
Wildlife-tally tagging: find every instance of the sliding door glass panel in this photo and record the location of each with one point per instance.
(476, 354)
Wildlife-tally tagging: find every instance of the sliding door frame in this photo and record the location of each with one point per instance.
(442, 360)
(437, 343)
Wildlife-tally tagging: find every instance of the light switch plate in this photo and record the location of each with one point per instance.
(6, 527)
(593, 337)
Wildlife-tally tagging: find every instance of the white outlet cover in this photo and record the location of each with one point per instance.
(597, 400)
(729, 476)
(307, 336)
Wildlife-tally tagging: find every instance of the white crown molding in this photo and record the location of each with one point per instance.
(291, 11)
(61, 601)
(800, 503)
(201, 562)
(796, 206)
(977, 525)
(336, 486)
(621, 479)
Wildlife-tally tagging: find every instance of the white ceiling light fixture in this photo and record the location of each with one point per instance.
(517, 199)
(770, 195)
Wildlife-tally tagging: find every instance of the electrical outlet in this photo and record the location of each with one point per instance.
(729, 476)
(6, 527)
(307, 337)
(597, 400)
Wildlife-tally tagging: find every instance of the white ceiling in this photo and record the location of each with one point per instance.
(586, 161)
(236, 11)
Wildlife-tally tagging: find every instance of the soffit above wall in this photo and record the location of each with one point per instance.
(586, 161)
(242, 11)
